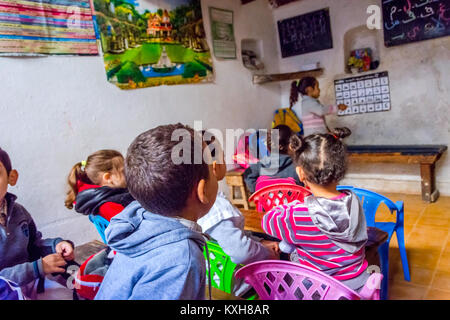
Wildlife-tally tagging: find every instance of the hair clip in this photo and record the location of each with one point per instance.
(298, 82)
(336, 137)
(83, 164)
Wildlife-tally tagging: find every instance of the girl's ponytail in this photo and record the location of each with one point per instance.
(294, 94)
(75, 174)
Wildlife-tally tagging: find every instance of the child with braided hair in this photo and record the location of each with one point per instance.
(328, 231)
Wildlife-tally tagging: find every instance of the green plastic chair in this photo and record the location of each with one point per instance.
(222, 266)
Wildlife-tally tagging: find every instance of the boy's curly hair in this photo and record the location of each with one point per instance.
(323, 157)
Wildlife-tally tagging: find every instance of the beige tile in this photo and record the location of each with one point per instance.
(422, 257)
(419, 275)
(436, 294)
(444, 262)
(435, 215)
(427, 237)
(406, 291)
(441, 280)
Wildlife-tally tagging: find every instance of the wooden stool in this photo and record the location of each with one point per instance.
(235, 180)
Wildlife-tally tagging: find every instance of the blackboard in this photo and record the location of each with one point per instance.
(415, 20)
(305, 33)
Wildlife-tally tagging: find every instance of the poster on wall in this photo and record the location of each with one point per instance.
(51, 27)
(150, 43)
(222, 30)
(364, 94)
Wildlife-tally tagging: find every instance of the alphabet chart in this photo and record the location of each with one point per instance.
(364, 94)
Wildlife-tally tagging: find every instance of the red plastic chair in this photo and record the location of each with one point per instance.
(274, 195)
(283, 280)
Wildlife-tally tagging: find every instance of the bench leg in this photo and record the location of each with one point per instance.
(429, 191)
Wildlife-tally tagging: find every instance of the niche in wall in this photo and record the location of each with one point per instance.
(360, 38)
(252, 54)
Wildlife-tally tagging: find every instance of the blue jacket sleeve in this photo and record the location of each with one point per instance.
(24, 273)
(241, 248)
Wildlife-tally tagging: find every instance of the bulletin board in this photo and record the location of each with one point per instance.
(364, 94)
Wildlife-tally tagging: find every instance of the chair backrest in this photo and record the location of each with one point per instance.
(370, 201)
(222, 268)
(283, 280)
(265, 181)
(100, 224)
(274, 195)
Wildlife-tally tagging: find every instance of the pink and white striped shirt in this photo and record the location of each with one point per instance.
(292, 223)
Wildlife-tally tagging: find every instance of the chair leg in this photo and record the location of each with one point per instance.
(384, 257)
(402, 248)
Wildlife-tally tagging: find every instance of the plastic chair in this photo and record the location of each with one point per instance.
(221, 266)
(370, 202)
(274, 195)
(100, 224)
(283, 280)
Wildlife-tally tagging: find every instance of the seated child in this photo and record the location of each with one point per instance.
(225, 224)
(98, 186)
(283, 169)
(329, 230)
(159, 245)
(312, 112)
(25, 256)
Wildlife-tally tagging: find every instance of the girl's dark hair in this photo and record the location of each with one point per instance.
(323, 157)
(284, 136)
(98, 163)
(300, 87)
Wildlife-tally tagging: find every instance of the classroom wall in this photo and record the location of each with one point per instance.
(419, 76)
(55, 111)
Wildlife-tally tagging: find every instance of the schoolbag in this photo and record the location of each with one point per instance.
(287, 117)
(91, 273)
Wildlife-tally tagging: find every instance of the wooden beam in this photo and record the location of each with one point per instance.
(264, 78)
(391, 158)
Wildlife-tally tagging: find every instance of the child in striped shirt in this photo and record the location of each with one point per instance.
(312, 112)
(328, 231)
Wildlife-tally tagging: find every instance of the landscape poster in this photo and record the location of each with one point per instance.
(149, 43)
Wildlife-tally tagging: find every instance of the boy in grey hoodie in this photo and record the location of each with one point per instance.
(158, 242)
(24, 255)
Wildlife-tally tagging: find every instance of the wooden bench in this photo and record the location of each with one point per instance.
(424, 155)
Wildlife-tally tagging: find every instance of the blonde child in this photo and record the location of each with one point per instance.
(328, 232)
(98, 186)
(311, 112)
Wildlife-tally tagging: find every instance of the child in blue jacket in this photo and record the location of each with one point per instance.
(159, 245)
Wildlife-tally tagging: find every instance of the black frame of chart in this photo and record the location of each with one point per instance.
(364, 94)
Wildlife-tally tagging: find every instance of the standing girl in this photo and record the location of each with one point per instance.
(312, 113)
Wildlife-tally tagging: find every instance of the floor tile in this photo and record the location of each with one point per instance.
(407, 292)
(436, 294)
(441, 280)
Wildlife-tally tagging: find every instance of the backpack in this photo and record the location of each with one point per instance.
(91, 273)
(288, 117)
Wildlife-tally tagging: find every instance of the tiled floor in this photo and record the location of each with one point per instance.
(427, 236)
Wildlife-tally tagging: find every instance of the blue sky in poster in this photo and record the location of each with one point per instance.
(153, 5)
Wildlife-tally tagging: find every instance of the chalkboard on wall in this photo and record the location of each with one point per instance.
(415, 20)
(305, 33)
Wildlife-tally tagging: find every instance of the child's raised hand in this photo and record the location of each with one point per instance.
(66, 250)
(53, 263)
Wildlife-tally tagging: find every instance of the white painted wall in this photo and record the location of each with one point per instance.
(419, 74)
(56, 111)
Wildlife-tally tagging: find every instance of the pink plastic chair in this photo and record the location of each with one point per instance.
(265, 181)
(274, 195)
(283, 280)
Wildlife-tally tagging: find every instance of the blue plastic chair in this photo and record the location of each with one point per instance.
(100, 224)
(370, 202)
